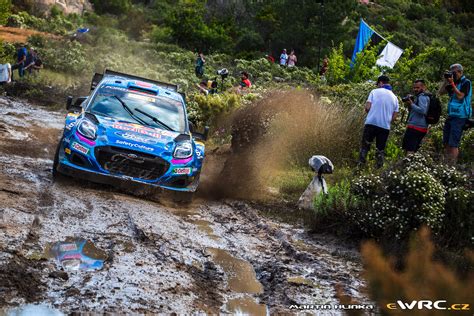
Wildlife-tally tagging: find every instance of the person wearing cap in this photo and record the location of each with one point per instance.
(382, 108)
(459, 89)
(283, 58)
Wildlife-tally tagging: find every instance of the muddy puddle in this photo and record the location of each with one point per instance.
(241, 278)
(130, 255)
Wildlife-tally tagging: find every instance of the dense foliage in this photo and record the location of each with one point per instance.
(413, 192)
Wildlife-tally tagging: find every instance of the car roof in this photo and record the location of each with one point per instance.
(121, 82)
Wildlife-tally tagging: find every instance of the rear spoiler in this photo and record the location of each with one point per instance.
(108, 73)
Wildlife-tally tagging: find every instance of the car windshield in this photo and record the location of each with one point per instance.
(146, 109)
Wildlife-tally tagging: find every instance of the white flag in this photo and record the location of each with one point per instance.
(389, 56)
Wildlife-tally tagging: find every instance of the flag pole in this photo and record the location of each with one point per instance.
(320, 32)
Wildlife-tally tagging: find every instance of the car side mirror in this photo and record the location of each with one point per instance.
(69, 102)
(75, 106)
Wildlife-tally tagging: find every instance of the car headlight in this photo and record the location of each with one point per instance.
(183, 150)
(87, 129)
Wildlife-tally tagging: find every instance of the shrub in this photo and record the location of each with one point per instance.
(410, 193)
(338, 199)
(413, 192)
(112, 6)
(5, 7)
(204, 109)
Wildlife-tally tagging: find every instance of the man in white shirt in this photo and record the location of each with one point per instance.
(5, 73)
(382, 109)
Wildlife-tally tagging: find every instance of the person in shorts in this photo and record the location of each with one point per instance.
(459, 89)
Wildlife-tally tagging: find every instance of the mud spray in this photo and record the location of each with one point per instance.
(276, 135)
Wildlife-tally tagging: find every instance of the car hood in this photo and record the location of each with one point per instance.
(136, 136)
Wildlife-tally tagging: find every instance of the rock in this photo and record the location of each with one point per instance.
(66, 6)
(59, 275)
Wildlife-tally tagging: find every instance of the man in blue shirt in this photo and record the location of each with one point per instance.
(459, 89)
(283, 58)
(20, 61)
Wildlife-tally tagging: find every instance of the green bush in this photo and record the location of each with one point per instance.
(412, 192)
(112, 6)
(205, 109)
(338, 200)
(5, 7)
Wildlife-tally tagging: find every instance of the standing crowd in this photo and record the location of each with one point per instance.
(382, 108)
(27, 62)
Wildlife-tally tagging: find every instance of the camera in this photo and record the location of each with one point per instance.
(408, 97)
(223, 73)
(448, 74)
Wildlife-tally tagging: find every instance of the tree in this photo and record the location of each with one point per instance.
(116, 7)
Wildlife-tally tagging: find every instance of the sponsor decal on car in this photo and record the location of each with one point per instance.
(138, 129)
(145, 97)
(80, 148)
(68, 247)
(67, 151)
(182, 170)
(137, 138)
(138, 146)
(70, 125)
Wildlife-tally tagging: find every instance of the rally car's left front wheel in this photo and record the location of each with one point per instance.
(55, 171)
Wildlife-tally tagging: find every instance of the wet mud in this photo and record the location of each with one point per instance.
(208, 256)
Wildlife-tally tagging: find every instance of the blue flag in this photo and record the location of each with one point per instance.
(363, 37)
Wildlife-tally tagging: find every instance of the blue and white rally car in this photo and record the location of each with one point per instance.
(131, 129)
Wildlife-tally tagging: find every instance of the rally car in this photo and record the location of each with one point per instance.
(130, 130)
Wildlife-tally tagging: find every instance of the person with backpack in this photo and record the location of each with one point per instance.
(417, 125)
(459, 89)
(382, 109)
(199, 66)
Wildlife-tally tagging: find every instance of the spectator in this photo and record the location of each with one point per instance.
(283, 58)
(30, 60)
(20, 61)
(270, 58)
(324, 67)
(199, 67)
(417, 127)
(381, 108)
(244, 80)
(5, 74)
(292, 59)
(38, 63)
(202, 86)
(459, 89)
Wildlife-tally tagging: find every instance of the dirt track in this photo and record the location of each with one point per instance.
(210, 256)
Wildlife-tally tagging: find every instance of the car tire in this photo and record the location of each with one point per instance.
(56, 174)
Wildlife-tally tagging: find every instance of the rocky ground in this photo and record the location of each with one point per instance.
(214, 256)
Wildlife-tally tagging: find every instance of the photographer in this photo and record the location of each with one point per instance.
(459, 89)
(417, 127)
